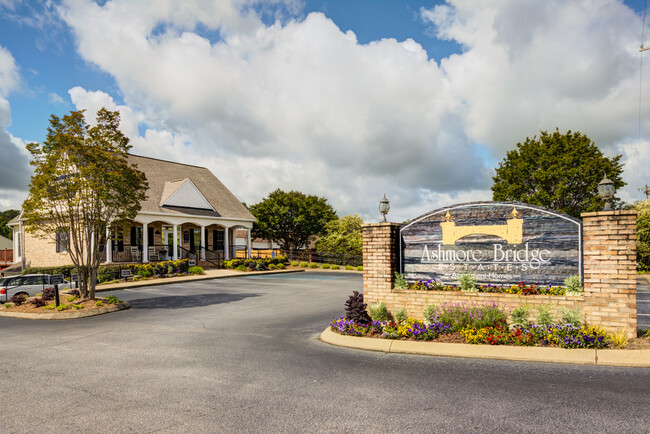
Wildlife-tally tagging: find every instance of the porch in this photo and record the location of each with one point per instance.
(208, 244)
(6, 258)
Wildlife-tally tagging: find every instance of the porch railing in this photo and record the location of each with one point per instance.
(6, 257)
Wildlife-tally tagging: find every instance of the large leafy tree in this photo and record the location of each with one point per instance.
(5, 217)
(342, 236)
(82, 182)
(291, 219)
(557, 171)
(643, 235)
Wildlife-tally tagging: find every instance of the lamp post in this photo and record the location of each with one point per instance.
(384, 207)
(606, 190)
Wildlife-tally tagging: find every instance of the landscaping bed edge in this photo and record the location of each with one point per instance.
(630, 358)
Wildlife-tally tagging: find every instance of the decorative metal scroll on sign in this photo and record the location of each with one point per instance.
(497, 242)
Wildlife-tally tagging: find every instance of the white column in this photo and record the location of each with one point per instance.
(109, 246)
(248, 242)
(203, 243)
(175, 255)
(226, 247)
(145, 243)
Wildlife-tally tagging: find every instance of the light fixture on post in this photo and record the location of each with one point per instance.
(606, 190)
(384, 207)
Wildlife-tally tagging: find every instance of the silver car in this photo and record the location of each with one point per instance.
(29, 284)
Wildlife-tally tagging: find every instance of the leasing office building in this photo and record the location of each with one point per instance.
(188, 213)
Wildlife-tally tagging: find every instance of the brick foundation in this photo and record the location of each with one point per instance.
(609, 257)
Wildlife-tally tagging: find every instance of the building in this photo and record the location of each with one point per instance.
(188, 213)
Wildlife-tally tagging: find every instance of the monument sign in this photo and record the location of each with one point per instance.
(496, 242)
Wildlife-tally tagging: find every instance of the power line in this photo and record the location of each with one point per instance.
(641, 50)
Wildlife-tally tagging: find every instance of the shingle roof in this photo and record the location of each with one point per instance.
(160, 173)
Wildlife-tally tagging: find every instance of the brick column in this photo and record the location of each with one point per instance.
(609, 246)
(380, 257)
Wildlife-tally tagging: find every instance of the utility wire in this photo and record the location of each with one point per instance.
(641, 50)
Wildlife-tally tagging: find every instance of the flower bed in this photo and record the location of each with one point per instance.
(473, 323)
(520, 289)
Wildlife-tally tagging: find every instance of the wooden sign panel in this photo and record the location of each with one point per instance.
(497, 242)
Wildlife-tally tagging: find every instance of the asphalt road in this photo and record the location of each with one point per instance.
(241, 355)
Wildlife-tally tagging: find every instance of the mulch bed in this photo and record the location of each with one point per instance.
(27, 307)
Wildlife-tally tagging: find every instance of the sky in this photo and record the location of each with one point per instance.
(343, 99)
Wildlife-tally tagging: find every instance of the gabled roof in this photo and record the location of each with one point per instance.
(176, 188)
(183, 194)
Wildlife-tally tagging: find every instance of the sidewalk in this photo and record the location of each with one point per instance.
(209, 275)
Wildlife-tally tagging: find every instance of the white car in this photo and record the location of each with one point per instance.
(28, 284)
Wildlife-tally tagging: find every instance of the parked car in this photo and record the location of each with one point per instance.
(29, 284)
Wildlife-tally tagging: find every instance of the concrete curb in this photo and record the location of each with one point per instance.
(68, 314)
(185, 279)
(630, 358)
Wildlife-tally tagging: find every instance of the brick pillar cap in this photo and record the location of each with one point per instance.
(387, 224)
(609, 213)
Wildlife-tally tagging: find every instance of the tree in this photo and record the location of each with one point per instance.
(643, 235)
(5, 217)
(342, 236)
(82, 183)
(557, 171)
(291, 219)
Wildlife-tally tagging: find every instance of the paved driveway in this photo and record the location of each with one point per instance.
(241, 355)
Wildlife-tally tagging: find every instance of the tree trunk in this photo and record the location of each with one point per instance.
(92, 282)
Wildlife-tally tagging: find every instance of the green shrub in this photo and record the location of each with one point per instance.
(571, 316)
(49, 307)
(280, 266)
(71, 299)
(304, 264)
(574, 286)
(7, 305)
(325, 266)
(400, 282)
(61, 307)
(294, 263)
(401, 315)
(196, 270)
(467, 283)
(146, 274)
(520, 316)
(260, 266)
(66, 270)
(335, 267)
(349, 267)
(111, 299)
(360, 268)
(77, 306)
(313, 265)
(241, 267)
(544, 317)
(273, 267)
(378, 312)
(429, 312)
(99, 303)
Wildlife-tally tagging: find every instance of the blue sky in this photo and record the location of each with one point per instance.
(315, 96)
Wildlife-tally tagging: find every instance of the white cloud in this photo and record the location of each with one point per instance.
(302, 105)
(55, 98)
(14, 175)
(9, 77)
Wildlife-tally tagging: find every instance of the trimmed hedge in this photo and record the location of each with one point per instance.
(106, 273)
(254, 264)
